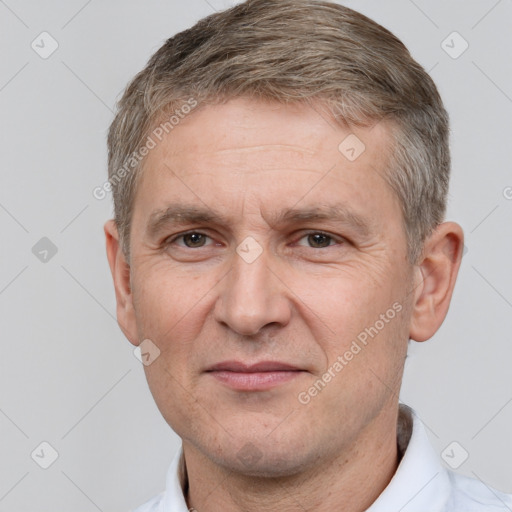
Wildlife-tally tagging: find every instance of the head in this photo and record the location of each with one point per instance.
(280, 174)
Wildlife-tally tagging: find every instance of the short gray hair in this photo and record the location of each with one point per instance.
(295, 51)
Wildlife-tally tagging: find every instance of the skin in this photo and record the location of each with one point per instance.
(303, 301)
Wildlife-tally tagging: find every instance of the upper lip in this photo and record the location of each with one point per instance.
(262, 366)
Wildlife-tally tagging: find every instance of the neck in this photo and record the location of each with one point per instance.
(353, 478)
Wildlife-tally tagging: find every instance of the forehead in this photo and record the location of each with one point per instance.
(245, 125)
(269, 155)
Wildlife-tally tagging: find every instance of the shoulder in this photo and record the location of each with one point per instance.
(472, 495)
(153, 505)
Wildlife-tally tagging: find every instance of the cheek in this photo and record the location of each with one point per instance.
(359, 320)
(168, 304)
(342, 302)
(172, 311)
(174, 396)
(365, 363)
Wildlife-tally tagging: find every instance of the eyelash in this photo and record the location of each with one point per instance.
(336, 240)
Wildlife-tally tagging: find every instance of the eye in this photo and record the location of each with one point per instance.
(318, 240)
(192, 240)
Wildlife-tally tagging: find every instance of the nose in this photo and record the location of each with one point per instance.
(252, 296)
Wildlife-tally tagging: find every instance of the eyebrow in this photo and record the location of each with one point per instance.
(185, 215)
(181, 215)
(337, 213)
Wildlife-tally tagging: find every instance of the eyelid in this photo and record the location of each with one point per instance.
(303, 233)
(336, 238)
(171, 239)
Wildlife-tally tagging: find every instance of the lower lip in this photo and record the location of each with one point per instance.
(254, 381)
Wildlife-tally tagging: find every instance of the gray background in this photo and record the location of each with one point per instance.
(69, 377)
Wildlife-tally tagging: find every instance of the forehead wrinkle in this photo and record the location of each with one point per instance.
(196, 171)
(268, 147)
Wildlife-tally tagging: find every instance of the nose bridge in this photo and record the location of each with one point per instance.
(250, 273)
(252, 296)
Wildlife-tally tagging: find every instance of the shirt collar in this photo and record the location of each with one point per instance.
(420, 482)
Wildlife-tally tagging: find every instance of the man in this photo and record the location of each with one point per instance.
(280, 173)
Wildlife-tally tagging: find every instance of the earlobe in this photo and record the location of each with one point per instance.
(120, 270)
(436, 274)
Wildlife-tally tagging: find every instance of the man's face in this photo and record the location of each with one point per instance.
(280, 250)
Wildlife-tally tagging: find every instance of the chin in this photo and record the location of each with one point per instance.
(270, 465)
(264, 458)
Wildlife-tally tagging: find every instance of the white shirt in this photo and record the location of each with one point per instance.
(420, 484)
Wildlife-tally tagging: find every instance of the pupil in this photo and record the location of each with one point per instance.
(319, 239)
(194, 239)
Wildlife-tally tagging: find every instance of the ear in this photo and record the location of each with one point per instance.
(121, 275)
(435, 276)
